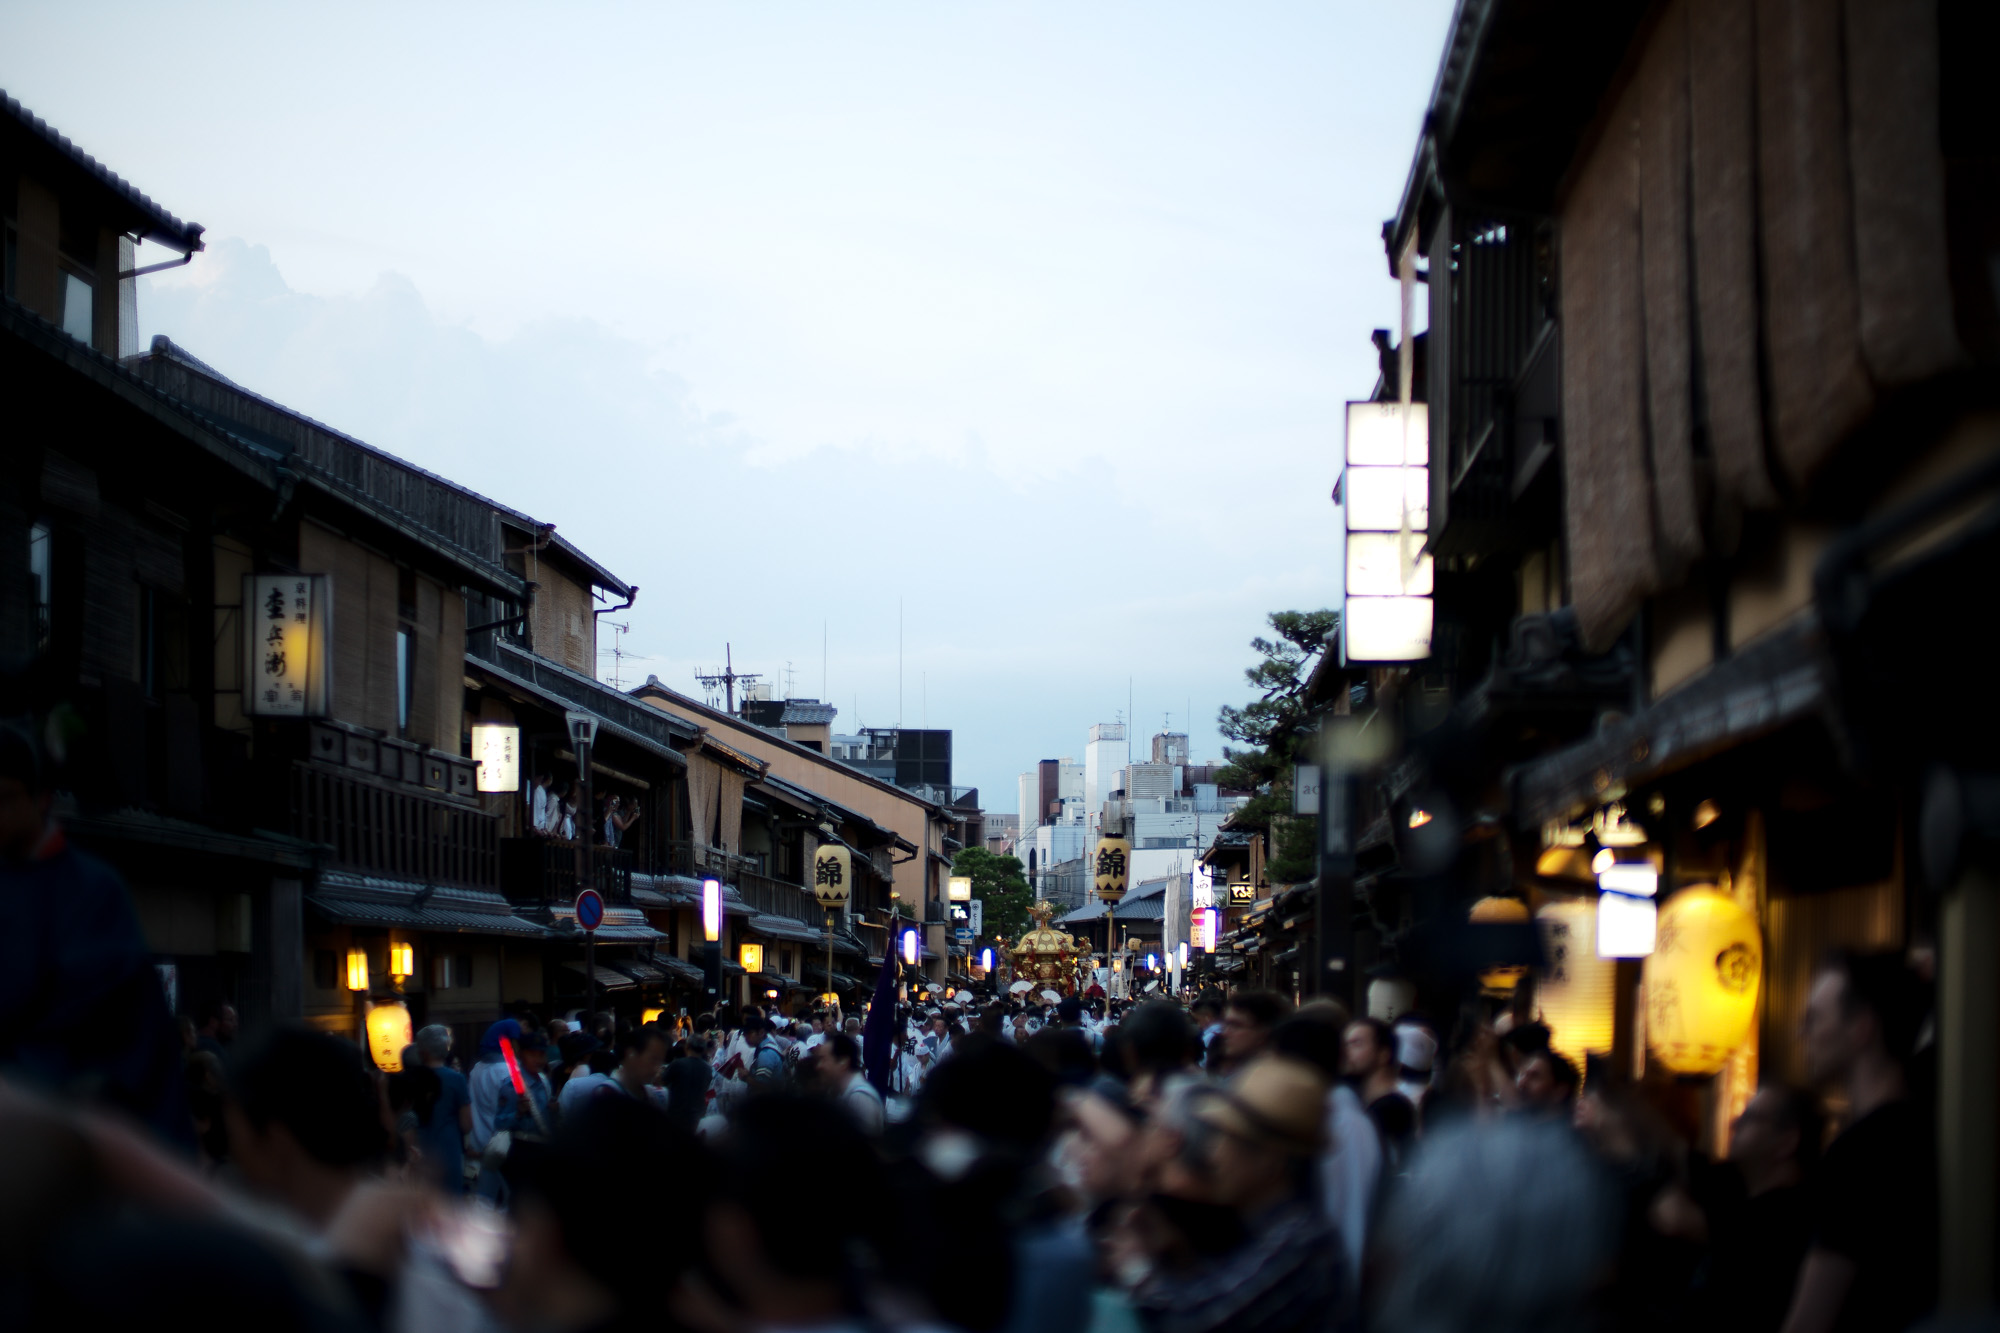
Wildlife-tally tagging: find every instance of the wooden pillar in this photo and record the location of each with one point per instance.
(1968, 1010)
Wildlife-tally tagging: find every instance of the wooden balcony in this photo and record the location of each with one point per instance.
(543, 870)
(375, 828)
(762, 892)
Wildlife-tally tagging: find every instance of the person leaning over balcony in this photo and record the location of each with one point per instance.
(544, 811)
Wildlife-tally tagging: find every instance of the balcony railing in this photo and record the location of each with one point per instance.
(543, 870)
(761, 891)
(778, 898)
(376, 829)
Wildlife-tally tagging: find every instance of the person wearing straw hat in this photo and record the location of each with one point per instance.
(1264, 1131)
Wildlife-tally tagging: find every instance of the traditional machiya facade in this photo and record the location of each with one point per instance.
(1714, 459)
(906, 876)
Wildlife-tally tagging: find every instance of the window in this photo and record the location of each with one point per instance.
(76, 307)
(40, 577)
(451, 971)
(162, 643)
(406, 677)
(326, 971)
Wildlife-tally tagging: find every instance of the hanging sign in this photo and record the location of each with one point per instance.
(497, 747)
(1385, 490)
(1112, 868)
(833, 877)
(285, 637)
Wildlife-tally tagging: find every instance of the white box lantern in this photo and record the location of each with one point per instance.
(1385, 502)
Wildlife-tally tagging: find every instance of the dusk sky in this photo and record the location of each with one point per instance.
(1032, 320)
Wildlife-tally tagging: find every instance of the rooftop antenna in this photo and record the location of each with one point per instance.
(618, 654)
(788, 679)
(726, 678)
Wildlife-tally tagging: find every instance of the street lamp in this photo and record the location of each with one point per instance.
(910, 948)
(711, 931)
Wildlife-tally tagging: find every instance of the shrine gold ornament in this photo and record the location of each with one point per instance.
(1045, 955)
(1702, 981)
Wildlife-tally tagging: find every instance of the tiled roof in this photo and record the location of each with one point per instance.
(157, 223)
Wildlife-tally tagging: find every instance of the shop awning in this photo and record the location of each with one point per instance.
(364, 900)
(606, 978)
(841, 981)
(1772, 682)
(787, 928)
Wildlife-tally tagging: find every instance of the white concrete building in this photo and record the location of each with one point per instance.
(1106, 754)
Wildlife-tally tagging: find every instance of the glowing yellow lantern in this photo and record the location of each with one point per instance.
(402, 962)
(388, 1034)
(1499, 982)
(650, 1016)
(357, 969)
(1577, 994)
(1113, 868)
(833, 875)
(752, 957)
(1702, 981)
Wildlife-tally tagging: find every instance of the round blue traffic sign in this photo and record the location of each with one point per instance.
(589, 909)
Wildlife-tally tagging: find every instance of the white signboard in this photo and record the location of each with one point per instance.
(497, 747)
(285, 636)
(978, 906)
(1385, 499)
(1305, 789)
(1201, 888)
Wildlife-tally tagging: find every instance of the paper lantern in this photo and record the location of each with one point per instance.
(1499, 982)
(650, 1016)
(1389, 998)
(402, 961)
(388, 1034)
(1702, 981)
(1577, 994)
(1112, 868)
(833, 875)
(357, 969)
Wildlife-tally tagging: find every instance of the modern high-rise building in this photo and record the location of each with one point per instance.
(1104, 756)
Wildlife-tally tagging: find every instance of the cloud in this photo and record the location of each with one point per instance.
(1026, 601)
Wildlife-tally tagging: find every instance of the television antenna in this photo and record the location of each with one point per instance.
(618, 653)
(726, 679)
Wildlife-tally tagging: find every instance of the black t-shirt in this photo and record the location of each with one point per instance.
(1878, 1208)
(1757, 1246)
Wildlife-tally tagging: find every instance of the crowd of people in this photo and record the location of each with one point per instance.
(1231, 1164)
(983, 1164)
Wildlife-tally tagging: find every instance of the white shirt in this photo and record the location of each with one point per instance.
(863, 1103)
(581, 1088)
(1349, 1174)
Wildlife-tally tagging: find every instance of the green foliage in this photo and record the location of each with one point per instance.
(1271, 727)
(999, 883)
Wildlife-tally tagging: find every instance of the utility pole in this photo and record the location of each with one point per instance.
(727, 678)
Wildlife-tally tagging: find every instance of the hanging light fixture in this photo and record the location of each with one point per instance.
(1499, 982)
(650, 1015)
(388, 1034)
(402, 963)
(357, 969)
(1702, 981)
(1576, 994)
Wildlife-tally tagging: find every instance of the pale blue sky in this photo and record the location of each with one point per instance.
(1037, 317)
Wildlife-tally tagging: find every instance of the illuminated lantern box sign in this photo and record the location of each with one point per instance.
(497, 747)
(751, 956)
(1577, 989)
(1500, 981)
(287, 623)
(1385, 499)
(1112, 867)
(833, 875)
(1702, 981)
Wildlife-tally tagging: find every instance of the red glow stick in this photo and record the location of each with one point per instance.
(521, 1085)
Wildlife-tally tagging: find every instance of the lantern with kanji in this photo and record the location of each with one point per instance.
(1702, 981)
(833, 875)
(1112, 867)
